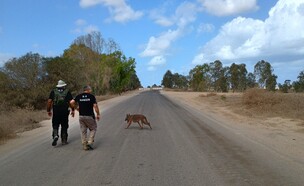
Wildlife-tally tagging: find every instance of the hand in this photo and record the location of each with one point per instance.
(98, 117)
(50, 113)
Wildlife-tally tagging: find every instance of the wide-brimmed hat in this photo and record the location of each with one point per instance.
(61, 84)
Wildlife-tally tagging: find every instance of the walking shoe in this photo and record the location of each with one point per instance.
(65, 143)
(85, 146)
(90, 147)
(55, 141)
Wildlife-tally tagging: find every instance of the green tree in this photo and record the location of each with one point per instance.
(234, 77)
(271, 82)
(250, 80)
(89, 65)
(134, 82)
(216, 73)
(238, 75)
(123, 70)
(223, 82)
(219, 76)
(286, 86)
(263, 71)
(199, 78)
(66, 69)
(5, 88)
(180, 81)
(243, 77)
(92, 40)
(168, 79)
(299, 85)
(98, 58)
(25, 80)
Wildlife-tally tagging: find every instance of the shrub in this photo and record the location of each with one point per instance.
(274, 104)
(18, 120)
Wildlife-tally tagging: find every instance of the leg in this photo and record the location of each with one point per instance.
(91, 140)
(55, 125)
(64, 130)
(91, 136)
(147, 123)
(83, 130)
(140, 125)
(129, 123)
(92, 125)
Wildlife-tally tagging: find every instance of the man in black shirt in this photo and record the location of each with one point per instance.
(59, 101)
(87, 104)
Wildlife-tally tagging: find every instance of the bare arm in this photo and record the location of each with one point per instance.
(49, 107)
(97, 111)
(72, 105)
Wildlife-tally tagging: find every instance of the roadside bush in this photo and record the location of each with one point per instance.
(17, 120)
(274, 104)
(260, 97)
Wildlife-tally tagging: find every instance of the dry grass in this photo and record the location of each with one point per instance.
(104, 97)
(259, 103)
(211, 94)
(15, 120)
(18, 120)
(274, 104)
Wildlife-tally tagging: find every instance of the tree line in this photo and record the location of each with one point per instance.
(90, 60)
(216, 77)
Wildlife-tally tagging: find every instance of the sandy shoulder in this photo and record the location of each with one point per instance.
(23, 139)
(282, 135)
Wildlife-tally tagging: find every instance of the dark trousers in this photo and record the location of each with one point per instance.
(60, 119)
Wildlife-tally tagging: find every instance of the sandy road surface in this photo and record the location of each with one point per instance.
(185, 147)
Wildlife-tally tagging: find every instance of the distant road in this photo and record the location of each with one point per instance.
(184, 148)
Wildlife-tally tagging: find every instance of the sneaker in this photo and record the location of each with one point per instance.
(90, 147)
(55, 141)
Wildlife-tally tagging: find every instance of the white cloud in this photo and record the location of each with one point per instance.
(119, 10)
(88, 3)
(228, 7)
(91, 28)
(160, 19)
(157, 60)
(151, 68)
(159, 45)
(198, 59)
(77, 31)
(80, 22)
(83, 27)
(205, 27)
(279, 38)
(184, 14)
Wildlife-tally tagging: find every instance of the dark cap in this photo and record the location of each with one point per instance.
(87, 87)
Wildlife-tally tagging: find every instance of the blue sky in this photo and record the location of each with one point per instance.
(163, 34)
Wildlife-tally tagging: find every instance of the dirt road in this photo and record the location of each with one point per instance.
(185, 147)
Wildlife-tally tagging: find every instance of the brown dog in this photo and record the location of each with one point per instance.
(136, 118)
